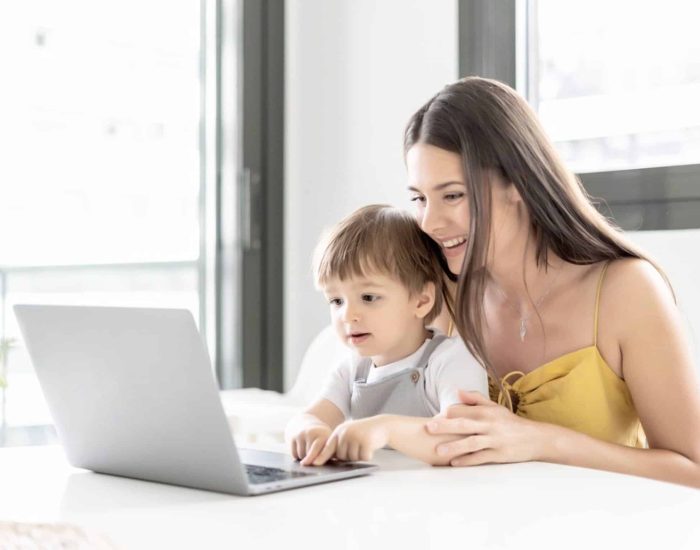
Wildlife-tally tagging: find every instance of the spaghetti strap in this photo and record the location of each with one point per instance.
(597, 303)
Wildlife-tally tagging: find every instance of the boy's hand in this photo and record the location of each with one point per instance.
(309, 442)
(355, 440)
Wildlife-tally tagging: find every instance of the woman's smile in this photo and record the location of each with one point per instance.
(454, 247)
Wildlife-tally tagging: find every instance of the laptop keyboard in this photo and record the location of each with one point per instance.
(265, 474)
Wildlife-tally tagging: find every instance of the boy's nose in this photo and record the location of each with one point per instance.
(350, 315)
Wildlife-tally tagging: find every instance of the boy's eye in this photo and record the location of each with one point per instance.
(370, 298)
(335, 301)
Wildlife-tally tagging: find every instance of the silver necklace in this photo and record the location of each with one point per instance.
(525, 318)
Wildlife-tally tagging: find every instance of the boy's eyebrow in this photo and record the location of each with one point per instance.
(369, 283)
(357, 282)
(438, 187)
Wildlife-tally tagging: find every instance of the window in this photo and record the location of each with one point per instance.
(616, 84)
(142, 166)
(100, 179)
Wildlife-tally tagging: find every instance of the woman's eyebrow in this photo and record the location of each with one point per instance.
(438, 187)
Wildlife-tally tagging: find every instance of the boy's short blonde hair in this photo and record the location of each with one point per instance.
(383, 239)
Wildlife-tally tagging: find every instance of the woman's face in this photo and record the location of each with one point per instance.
(437, 187)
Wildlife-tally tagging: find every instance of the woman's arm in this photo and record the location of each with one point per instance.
(494, 435)
(657, 366)
(659, 371)
(565, 446)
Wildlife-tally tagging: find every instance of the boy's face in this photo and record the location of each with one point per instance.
(377, 316)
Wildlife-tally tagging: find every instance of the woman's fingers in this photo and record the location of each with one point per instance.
(462, 426)
(471, 444)
(474, 398)
(487, 456)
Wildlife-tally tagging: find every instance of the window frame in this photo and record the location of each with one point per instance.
(247, 175)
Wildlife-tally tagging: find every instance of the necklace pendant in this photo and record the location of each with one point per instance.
(523, 330)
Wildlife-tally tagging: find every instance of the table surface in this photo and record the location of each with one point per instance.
(404, 505)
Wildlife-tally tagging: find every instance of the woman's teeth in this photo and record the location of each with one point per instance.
(453, 242)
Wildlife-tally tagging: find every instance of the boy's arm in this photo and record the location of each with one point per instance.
(408, 435)
(358, 439)
(451, 368)
(321, 412)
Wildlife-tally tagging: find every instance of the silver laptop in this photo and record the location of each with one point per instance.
(132, 393)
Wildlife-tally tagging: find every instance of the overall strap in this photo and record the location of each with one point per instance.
(597, 302)
(362, 371)
(435, 341)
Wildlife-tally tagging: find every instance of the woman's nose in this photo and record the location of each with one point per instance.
(430, 221)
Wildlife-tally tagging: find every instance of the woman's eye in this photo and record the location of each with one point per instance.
(450, 197)
(369, 298)
(417, 198)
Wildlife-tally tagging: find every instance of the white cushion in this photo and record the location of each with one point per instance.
(257, 415)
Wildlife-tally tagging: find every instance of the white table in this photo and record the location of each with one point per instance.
(406, 505)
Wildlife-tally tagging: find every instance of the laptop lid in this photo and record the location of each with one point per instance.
(132, 393)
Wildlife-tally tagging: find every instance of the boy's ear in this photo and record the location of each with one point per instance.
(425, 300)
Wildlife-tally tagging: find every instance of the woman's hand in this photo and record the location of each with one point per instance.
(492, 433)
(355, 440)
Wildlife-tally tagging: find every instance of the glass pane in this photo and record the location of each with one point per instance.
(169, 285)
(100, 171)
(99, 136)
(616, 84)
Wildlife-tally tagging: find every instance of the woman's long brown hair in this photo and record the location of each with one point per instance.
(491, 127)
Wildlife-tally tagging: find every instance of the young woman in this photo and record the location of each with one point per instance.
(588, 356)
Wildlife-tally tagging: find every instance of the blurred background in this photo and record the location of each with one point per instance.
(188, 154)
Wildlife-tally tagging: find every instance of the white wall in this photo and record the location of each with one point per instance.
(355, 72)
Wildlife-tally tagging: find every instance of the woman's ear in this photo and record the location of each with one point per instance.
(512, 194)
(425, 300)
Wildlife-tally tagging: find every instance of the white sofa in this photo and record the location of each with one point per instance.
(259, 416)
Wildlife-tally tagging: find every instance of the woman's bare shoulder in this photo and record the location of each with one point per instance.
(636, 277)
(635, 291)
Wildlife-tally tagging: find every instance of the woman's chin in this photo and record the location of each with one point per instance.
(455, 265)
(455, 257)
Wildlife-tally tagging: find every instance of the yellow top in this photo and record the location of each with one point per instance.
(577, 390)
